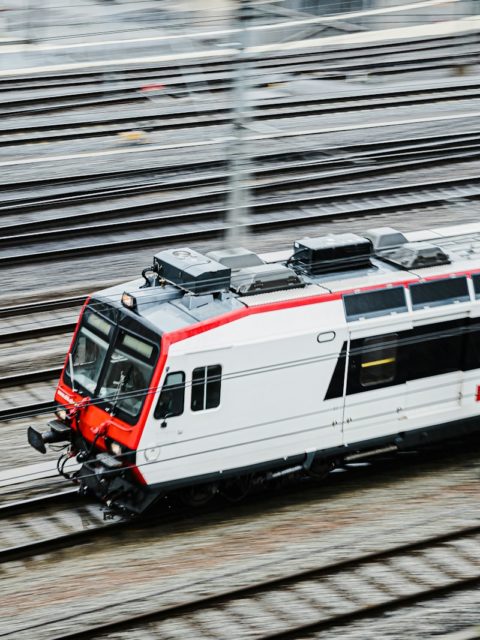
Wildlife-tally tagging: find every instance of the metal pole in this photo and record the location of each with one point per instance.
(239, 160)
(30, 18)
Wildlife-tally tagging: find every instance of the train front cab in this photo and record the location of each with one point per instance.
(105, 394)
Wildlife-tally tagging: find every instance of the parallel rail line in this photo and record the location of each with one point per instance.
(215, 184)
(213, 115)
(346, 153)
(111, 96)
(214, 82)
(30, 377)
(37, 332)
(213, 192)
(34, 407)
(319, 598)
(41, 305)
(281, 212)
(147, 72)
(28, 410)
(66, 524)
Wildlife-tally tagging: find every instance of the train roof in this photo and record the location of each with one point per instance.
(185, 287)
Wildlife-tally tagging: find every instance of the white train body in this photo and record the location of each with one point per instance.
(351, 362)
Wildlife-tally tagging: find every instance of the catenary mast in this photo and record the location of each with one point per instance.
(239, 157)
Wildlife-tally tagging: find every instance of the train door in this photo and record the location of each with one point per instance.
(435, 352)
(333, 364)
(470, 391)
(434, 369)
(376, 379)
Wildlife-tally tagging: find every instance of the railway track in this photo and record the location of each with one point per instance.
(39, 319)
(214, 76)
(209, 189)
(168, 70)
(28, 394)
(317, 599)
(174, 118)
(292, 210)
(359, 161)
(81, 189)
(49, 523)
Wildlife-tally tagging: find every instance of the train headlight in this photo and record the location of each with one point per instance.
(61, 414)
(116, 448)
(129, 301)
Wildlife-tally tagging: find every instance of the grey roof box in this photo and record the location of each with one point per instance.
(263, 278)
(384, 238)
(237, 258)
(415, 255)
(192, 271)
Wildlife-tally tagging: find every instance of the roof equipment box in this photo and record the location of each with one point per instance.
(335, 252)
(192, 271)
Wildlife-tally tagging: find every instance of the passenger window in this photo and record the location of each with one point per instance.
(439, 292)
(371, 304)
(206, 386)
(171, 401)
(476, 285)
(378, 363)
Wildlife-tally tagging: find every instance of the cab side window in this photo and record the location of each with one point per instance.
(172, 396)
(206, 387)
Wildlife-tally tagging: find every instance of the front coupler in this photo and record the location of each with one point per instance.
(58, 432)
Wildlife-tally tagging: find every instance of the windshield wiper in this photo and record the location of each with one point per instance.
(72, 378)
(124, 378)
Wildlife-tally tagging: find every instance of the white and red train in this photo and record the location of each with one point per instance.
(215, 370)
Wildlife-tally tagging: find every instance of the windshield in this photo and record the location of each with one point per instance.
(112, 365)
(128, 374)
(89, 352)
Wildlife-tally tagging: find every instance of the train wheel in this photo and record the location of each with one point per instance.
(198, 496)
(237, 489)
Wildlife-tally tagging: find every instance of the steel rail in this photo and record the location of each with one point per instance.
(223, 64)
(19, 506)
(293, 211)
(180, 80)
(37, 332)
(117, 96)
(286, 108)
(41, 305)
(267, 60)
(59, 541)
(27, 411)
(387, 146)
(286, 586)
(217, 213)
(30, 377)
(36, 230)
